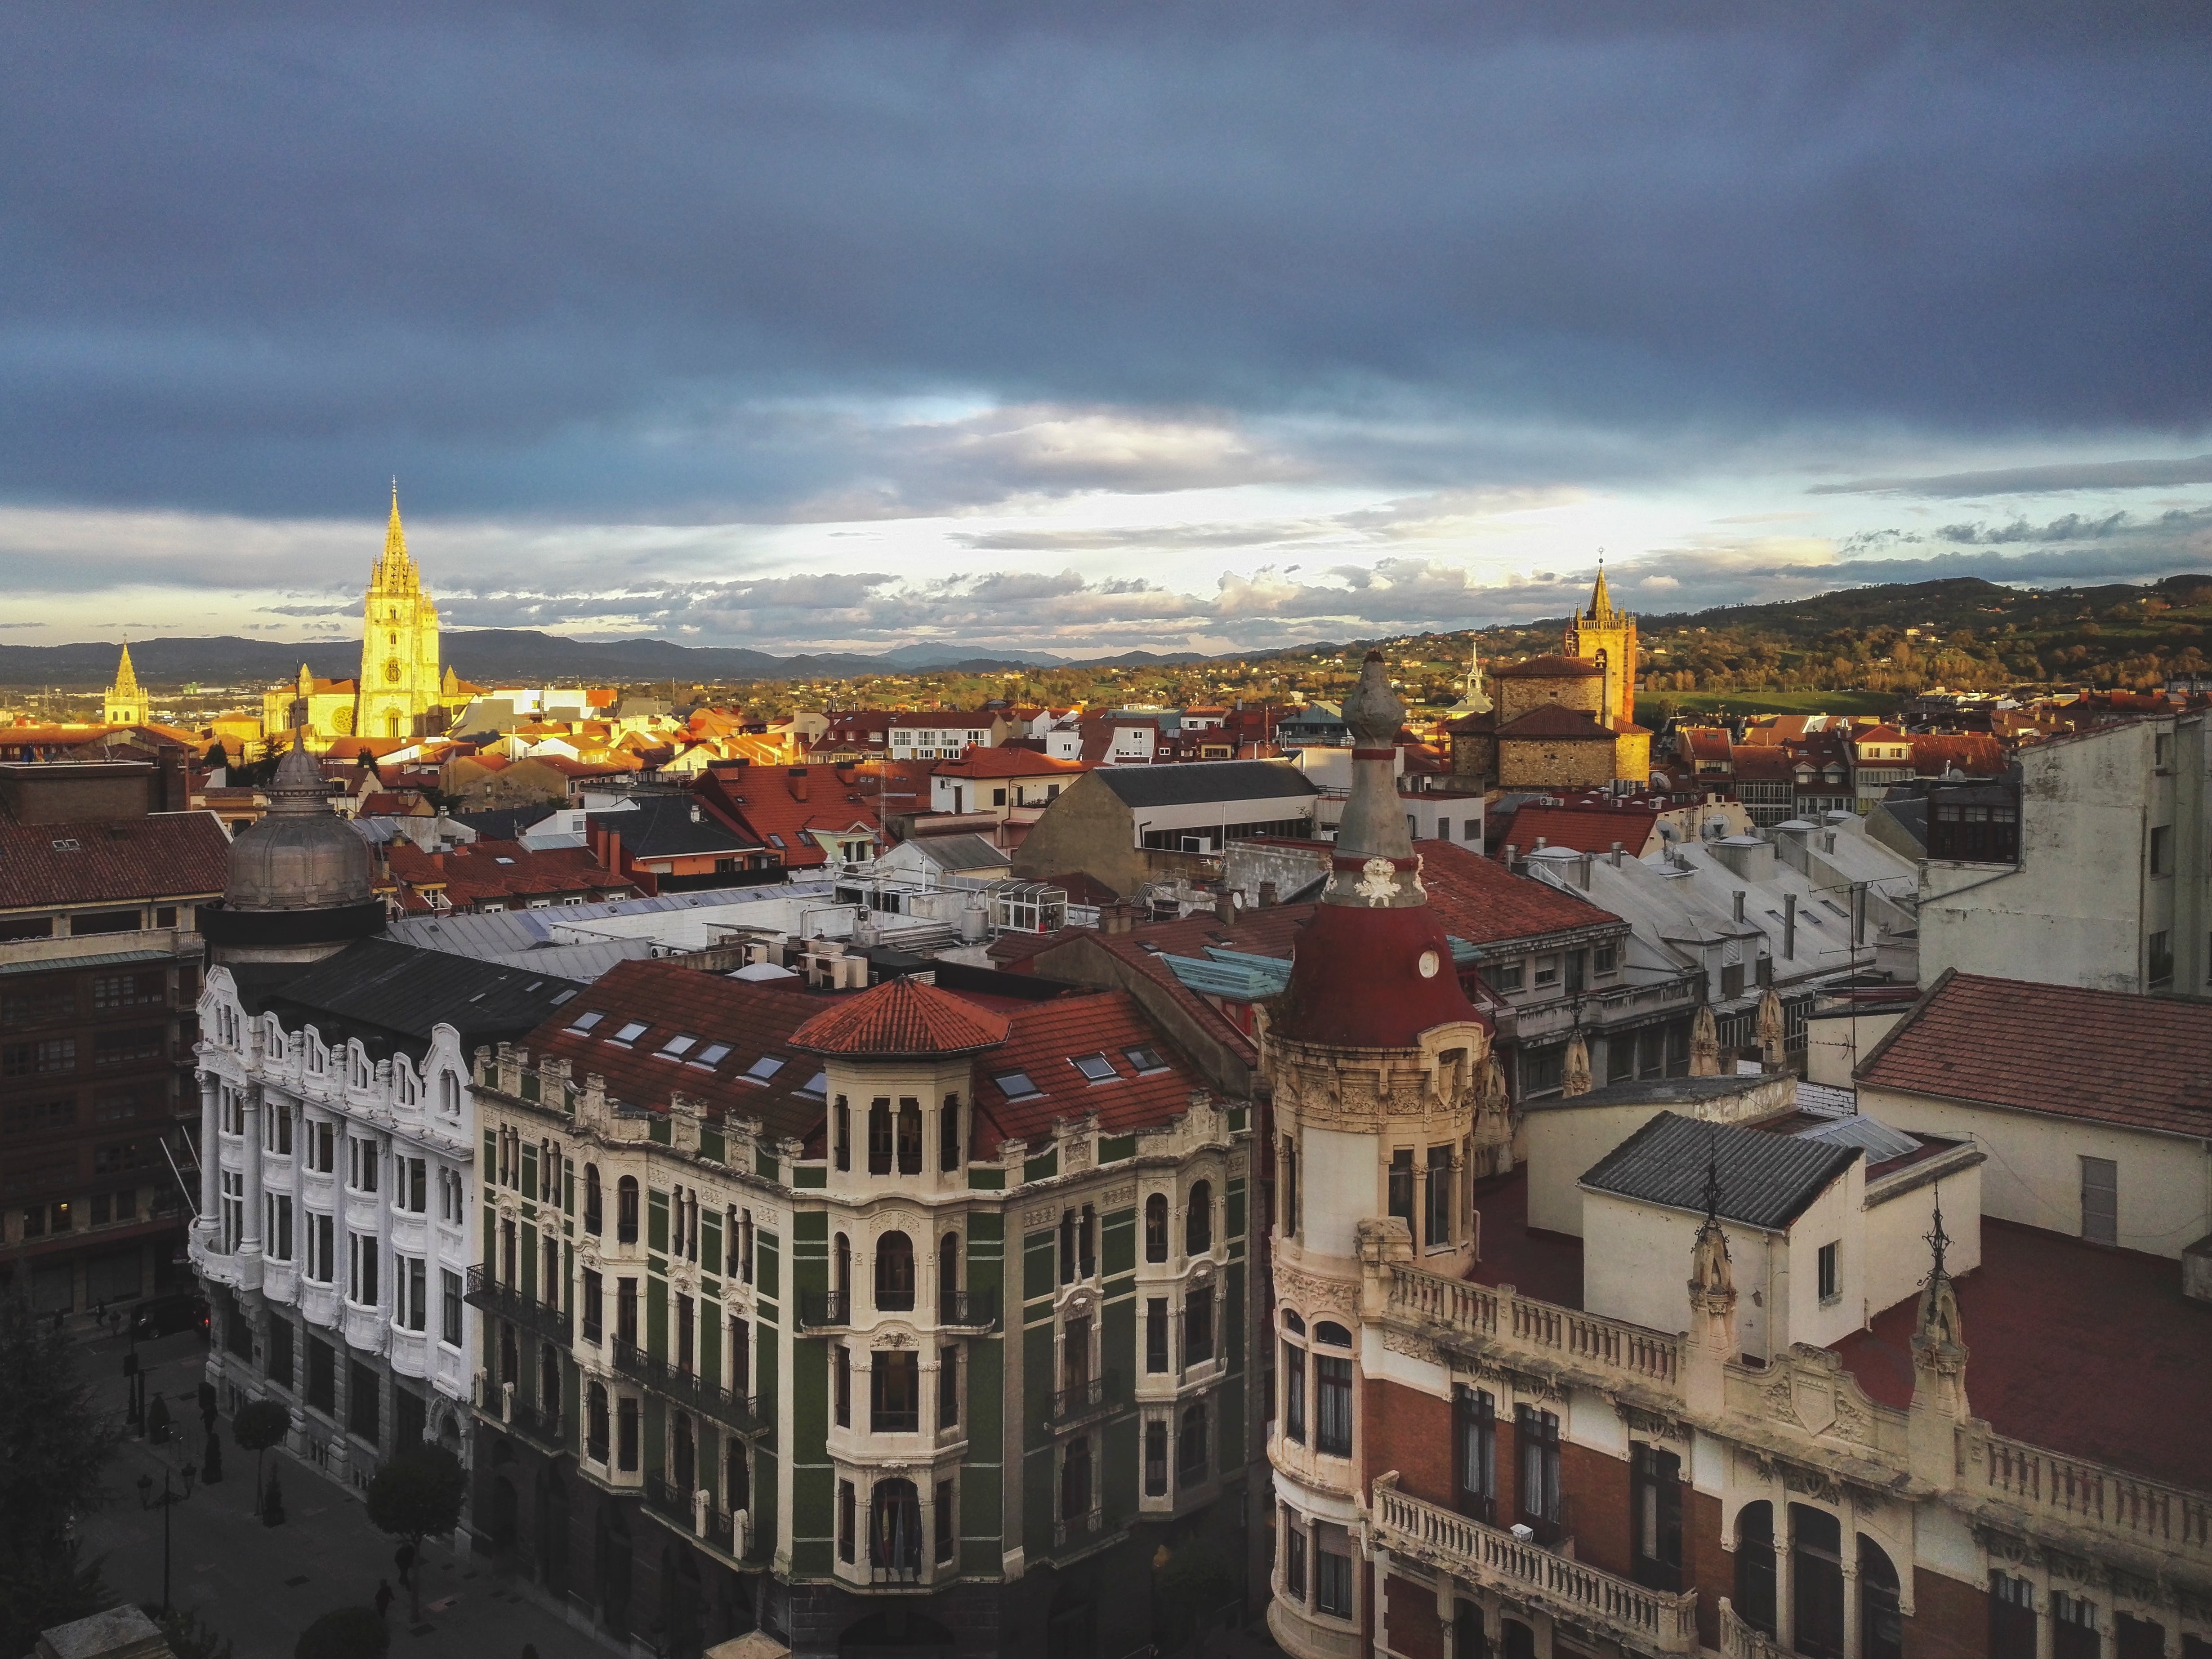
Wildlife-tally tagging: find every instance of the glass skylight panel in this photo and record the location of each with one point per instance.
(1145, 1059)
(817, 1085)
(676, 1046)
(1095, 1068)
(712, 1054)
(630, 1031)
(1017, 1086)
(562, 997)
(586, 1021)
(764, 1068)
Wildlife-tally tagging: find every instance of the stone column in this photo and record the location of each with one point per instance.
(250, 1234)
(1381, 1603)
(211, 1217)
(1785, 1589)
(2046, 1636)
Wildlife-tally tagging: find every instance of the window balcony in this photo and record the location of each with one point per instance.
(735, 1410)
(486, 1293)
(968, 1311)
(1642, 1620)
(824, 1310)
(1079, 1402)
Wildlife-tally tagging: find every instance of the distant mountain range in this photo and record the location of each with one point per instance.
(511, 654)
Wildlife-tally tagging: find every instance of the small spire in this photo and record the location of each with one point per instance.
(1712, 1193)
(1600, 600)
(1939, 1243)
(395, 537)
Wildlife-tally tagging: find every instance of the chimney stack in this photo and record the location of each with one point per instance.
(1616, 851)
(1739, 904)
(1512, 856)
(794, 779)
(1224, 907)
(1268, 892)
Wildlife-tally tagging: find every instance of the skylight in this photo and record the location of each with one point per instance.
(563, 996)
(1145, 1059)
(1017, 1086)
(585, 1022)
(676, 1046)
(816, 1085)
(1095, 1068)
(630, 1032)
(712, 1056)
(764, 1068)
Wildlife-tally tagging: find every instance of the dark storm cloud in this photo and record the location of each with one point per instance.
(668, 264)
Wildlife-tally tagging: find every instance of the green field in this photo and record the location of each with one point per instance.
(1649, 705)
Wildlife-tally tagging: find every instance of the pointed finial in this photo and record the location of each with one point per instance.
(1712, 1193)
(1939, 1241)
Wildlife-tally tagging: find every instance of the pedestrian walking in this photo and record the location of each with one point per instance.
(383, 1596)
(404, 1558)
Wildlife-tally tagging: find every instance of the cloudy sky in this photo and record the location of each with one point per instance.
(1090, 326)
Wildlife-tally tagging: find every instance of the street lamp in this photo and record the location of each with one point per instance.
(168, 1501)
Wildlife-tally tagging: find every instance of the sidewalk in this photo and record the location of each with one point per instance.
(261, 1586)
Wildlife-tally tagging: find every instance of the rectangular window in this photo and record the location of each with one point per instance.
(122, 1048)
(946, 1531)
(1286, 1177)
(2012, 1617)
(2159, 967)
(322, 1248)
(894, 1391)
(1474, 1453)
(411, 1277)
(2161, 849)
(1294, 1556)
(37, 1058)
(1547, 972)
(1438, 1232)
(594, 1318)
(1333, 1571)
(948, 1387)
(1156, 1334)
(361, 1164)
(277, 1130)
(361, 1282)
(1402, 1185)
(322, 1148)
(626, 1312)
(2100, 1201)
(1831, 1280)
(413, 1194)
(1538, 1434)
(1198, 1326)
(233, 1210)
(842, 1366)
(280, 1353)
(1332, 1406)
(1656, 1501)
(280, 1227)
(741, 1356)
(844, 1148)
(1294, 1392)
(626, 1434)
(450, 1304)
(322, 1374)
(2073, 1627)
(845, 1520)
(1506, 976)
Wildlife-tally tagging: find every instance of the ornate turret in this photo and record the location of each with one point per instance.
(1704, 1043)
(1938, 1365)
(1606, 637)
(300, 881)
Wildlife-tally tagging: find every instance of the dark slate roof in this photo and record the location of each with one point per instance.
(504, 822)
(1766, 1180)
(660, 827)
(1655, 1091)
(393, 995)
(1188, 782)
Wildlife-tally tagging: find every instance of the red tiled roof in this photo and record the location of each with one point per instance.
(1557, 721)
(1547, 668)
(901, 1016)
(2102, 1056)
(1008, 762)
(2084, 1350)
(756, 1021)
(1974, 753)
(1758, 762)
(1482, 901)
(501, 870)
(1042, 1044)
(1584, 829)
(840, 801)
(163, 856)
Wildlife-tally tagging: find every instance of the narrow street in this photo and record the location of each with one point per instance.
(261, 1586)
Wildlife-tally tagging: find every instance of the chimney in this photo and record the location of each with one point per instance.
(1739, 904)
(1268, 891)
(697, 815)
(794, 779)
(1512, 857)
(1583, 869)
(1617, 850)
(1790, 926)
(1224, 908)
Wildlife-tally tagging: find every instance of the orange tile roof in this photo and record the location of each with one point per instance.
(1043, 1043)
(1584, 829)
(2106, 1056)
(163, 856)
(1009, 763)
(501, 870)
(901, 1016)
(1554, 720)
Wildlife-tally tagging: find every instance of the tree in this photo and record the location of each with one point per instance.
(259, 1425)
(344, 1633)
(188, 1638)
(417, 1493)
(53, 1447)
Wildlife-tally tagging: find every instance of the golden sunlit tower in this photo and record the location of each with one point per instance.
(1606, 637)
(125, 704)
(399, 682)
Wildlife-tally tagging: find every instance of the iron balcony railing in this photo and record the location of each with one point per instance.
(687, 1388)
(537, 1424)
(968, 1311)
(824, 1309)
(1080, 1399)
(486, 1293)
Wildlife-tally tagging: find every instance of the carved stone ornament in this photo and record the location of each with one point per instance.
(1043, 1215)
(1655, 1424)
(1075, 1155)
(1414, 1348)
(892, 1336)
(1117, 1196)
(1378, 882)
(1311, 1296)
(2002, 1546)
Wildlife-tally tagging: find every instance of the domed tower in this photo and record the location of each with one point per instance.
(300, 879)
(1380, 1068)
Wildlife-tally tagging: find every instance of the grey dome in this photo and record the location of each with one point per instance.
(301, 856)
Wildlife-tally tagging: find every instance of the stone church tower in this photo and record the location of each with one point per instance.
(1606, 637)
(124, 704)
(1385, 1107)
(398, 687)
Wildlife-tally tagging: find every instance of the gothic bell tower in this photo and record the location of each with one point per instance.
(1606, 637)
(399, 686)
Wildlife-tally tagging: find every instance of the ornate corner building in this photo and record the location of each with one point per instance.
(1688, 1371)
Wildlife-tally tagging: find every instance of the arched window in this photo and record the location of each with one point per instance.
(626, 1211)
(595, 1215)
(1198, 1224)
(948, 1276)
(879, 1136)
(1332, 1382)
(1882, 1621)
(1156, 1227)
(894, 1274)
(909, 1136)
(1191, 1460)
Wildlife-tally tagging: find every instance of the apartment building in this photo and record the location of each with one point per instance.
(894, 1318)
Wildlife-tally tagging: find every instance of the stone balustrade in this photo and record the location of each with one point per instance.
(1586, 1597)
(2084, 1496)
(1512, 1322)
(1742, 1641)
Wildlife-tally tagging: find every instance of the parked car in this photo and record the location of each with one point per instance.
(165, 1315)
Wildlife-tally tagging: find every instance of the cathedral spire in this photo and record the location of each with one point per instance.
(126, 681)
(395, 538)
(1600, 609)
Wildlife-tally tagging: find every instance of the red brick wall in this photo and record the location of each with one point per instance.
(1950, 1621)
(1414, 1630)
(1596, 1489)
(1410, 1431)
(1706, 1567)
